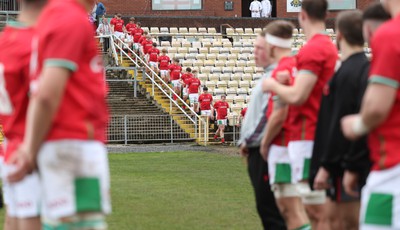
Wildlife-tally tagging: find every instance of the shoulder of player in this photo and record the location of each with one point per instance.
(387, 32)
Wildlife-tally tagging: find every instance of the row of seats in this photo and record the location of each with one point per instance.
(227, 77)
(210, 50)
(228, 66)
(212, 30)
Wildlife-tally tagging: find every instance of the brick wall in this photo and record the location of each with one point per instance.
(281, 8)
(210, 8)
(143, 7)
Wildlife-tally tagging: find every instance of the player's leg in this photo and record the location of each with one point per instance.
(75, 176)
(23, 201)
(217, 133)
(314, 201)
(285, 191)
(10, 223)
(222, 131)
(343, 209)
(196, 103)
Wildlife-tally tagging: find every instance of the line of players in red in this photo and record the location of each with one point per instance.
(185, 84)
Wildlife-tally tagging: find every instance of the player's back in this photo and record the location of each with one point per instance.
(384, 140)
(66, 40)
(319, 57)
(15, 46)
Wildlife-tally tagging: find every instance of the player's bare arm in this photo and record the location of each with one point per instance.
(41, 111)
(296, 94)
(274, 126)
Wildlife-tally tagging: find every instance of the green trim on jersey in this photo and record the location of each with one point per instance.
(376, 79)
(304, 227)
(283, 173)
(88, 195)
(69, 65)
(379, 209)
(17, 24)
(306, 168)
(306, 71)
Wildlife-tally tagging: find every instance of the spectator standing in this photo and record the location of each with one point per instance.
(266, 9)
(100, 12)
(255, 8)
(104, 29)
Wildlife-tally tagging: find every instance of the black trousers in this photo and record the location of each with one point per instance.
(265, 200)
(106, 44)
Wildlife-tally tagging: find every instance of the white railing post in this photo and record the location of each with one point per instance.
(153, 78)
(135, 82)
(172, 130)
(234, 130)
(206, 129)
(126, 130)
(152, 83)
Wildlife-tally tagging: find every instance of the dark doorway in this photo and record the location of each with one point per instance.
(245, 8)
(273, 3)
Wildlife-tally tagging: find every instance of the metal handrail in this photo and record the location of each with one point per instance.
(163, 82)
(114, 51)
(156, 84)
(198, 118)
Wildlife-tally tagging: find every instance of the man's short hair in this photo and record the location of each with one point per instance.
(315, 9)
(376, 12)
(280, 28)
(349, 24)
(145, 33)
(188, 69)
(132, 19)
(194, 71)
(154, 44)
(175, 59)
(139, 24)
(205, 88)
(119, 15)
(164, 50)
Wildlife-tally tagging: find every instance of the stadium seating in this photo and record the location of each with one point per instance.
(225, 60)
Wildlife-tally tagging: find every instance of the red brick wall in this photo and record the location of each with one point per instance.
(143, 7)
(210, 8)
(281, 8)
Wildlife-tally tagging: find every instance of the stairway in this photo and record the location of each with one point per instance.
(164, 102)
(146, 121)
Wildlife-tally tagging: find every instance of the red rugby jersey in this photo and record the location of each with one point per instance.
(318, 57)
(83, 112)
(384, 140)
(16, 47)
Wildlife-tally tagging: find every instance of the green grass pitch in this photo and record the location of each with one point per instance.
(180, 190)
